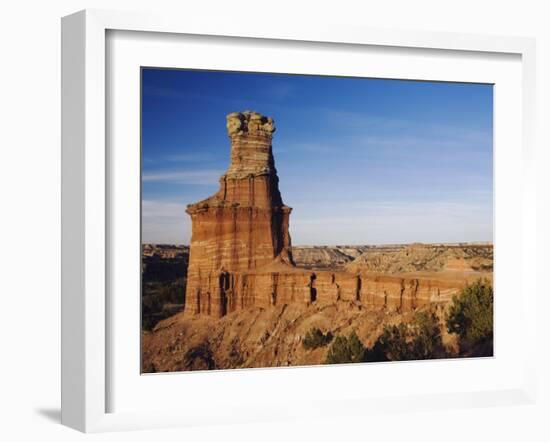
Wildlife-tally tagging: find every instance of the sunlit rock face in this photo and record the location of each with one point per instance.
(240, 246)
(244, 226)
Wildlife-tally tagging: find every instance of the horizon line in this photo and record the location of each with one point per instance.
(353, 245)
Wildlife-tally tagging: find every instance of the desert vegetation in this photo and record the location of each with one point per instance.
(164, 277)
(470, 317)
(315, 338)
(417, 339)
(346, 349)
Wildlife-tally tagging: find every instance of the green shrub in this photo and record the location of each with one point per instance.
(345, 350)
(470, 316)
(315, 338)
(418, 339)
(160, 300)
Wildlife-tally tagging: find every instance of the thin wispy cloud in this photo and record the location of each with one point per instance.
(390, 139)
(307, 147)
(191, 157)
(403, 146)
(201, 155)
(369, 129)
(165, 222)
(279, 90)
(379, 225)
(360, 120)
(199, 177)
(161, 210)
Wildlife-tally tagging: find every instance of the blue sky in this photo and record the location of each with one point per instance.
(361, 161)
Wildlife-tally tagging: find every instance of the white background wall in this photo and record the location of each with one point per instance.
(30, 214)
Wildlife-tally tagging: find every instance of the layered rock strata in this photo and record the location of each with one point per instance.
(267, 288)
(240, 247)
(244, 226)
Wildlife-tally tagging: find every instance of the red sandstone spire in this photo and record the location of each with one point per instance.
(243, 226)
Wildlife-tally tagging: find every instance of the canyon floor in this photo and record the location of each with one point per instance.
(274, 336)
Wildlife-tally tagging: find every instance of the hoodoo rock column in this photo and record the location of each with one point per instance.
(244, 226)
(240, 246)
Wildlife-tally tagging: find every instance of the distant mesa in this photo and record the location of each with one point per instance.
(419, 257)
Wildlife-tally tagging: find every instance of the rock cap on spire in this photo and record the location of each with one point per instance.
(249, 123)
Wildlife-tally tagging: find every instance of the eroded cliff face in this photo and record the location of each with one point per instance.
(268, 287)
(243, 226)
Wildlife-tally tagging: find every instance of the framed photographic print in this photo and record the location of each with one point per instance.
(370, 166)
(273, 222)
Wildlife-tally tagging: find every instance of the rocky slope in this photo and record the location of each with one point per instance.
(261, 337)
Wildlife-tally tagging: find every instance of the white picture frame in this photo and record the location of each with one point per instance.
(86, 202)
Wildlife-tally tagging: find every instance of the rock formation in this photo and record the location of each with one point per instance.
(325, 257)
(242, 227)
(424, 257)
(240, 254)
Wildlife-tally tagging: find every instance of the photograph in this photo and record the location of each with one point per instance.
(302, 220)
